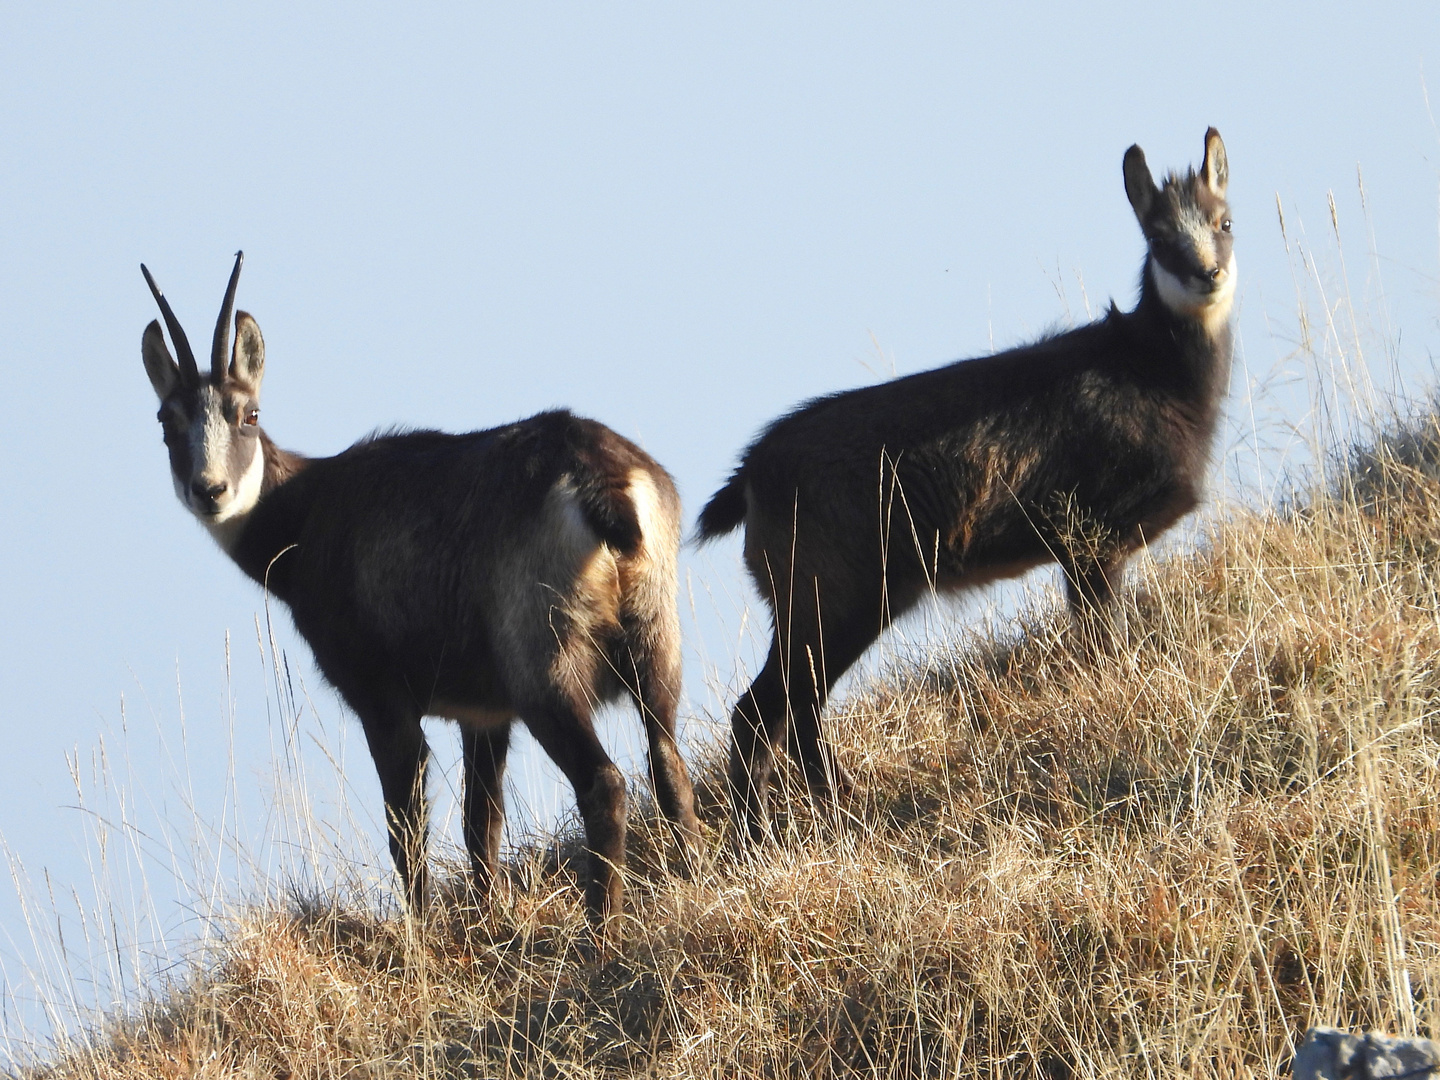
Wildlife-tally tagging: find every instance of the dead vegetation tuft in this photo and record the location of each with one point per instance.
(1165, 852)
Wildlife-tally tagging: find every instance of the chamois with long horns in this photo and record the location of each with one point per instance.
(1076, 449)
(527, 571)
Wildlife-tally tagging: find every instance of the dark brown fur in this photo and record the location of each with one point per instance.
(527, 572)
(1076, 449)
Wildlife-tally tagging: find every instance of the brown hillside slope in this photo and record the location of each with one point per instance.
(1161, 859)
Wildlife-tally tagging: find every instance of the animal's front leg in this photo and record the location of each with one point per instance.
(398, 747)
(1091, 579)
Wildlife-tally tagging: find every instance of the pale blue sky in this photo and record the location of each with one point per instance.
(680, 221)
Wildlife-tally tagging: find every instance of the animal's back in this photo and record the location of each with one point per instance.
(980, 460)
(926, 418)
(449, 541)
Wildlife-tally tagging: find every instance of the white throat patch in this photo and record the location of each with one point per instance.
(1211, 309)
(227, 525)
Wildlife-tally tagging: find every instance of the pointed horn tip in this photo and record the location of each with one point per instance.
(220, 344)
(234, 277)
(184, 354)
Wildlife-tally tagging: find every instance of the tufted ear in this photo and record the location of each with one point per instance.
(159, 365)
(1215, 169)
(247, 363)
(1139, 185)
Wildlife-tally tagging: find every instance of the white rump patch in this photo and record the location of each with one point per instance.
(573, 532)
(656, 528)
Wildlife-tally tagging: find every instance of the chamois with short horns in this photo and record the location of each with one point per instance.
(1076, 449)
(527, 571)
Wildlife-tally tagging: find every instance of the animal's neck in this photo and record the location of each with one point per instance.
(271, 469)
(1196, 334)
(280, 465)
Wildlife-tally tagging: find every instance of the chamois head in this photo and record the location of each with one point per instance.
(1187, 227)
(211, 422)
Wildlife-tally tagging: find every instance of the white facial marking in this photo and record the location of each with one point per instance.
(245, 493)
(1192, 224)
(210, 442)
(210, 445)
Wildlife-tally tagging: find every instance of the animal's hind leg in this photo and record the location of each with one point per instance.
(484, 806)
(566, 733)
(830, 631)
(827, 657)
(757, 725)
(654, 682)
(816, 637)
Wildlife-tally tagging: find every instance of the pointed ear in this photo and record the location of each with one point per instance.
(1215, 169)
(159, 365)
(247, 362)
(1139, 186)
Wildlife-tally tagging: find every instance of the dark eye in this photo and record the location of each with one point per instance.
(1225, 225)
(253, 416)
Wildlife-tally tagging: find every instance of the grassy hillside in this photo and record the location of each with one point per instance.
(1165, 856)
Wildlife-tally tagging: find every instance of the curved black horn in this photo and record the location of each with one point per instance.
(220, 350)
(188, 371)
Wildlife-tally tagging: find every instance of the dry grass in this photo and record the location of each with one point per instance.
(1166, 855)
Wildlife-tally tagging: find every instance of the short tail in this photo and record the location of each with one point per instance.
(725, 511)
(611, 512)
